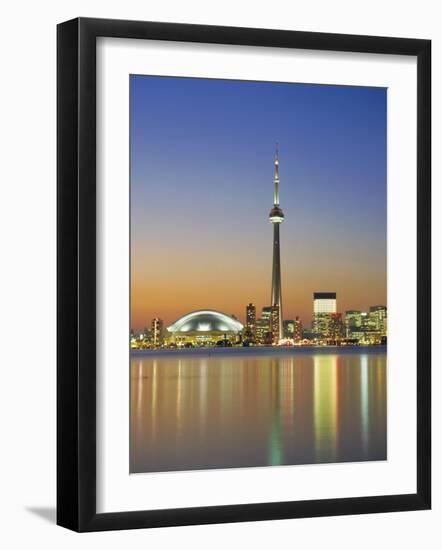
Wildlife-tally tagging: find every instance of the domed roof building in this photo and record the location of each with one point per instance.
(204, 327)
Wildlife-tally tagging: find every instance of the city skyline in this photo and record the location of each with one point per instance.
(252, 314)
(204, 328)
(242, 317)
(199, 235)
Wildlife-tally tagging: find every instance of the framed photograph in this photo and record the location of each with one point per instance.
(243, 274)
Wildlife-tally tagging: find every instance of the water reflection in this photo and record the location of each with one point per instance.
(255, 408)
(325, 403)
(365, 413)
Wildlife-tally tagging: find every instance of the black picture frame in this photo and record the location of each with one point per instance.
(76, 274)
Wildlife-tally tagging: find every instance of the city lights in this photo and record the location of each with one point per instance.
(207, 328)
(329, 327)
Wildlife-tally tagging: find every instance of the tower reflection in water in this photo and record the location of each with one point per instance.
(234, 410)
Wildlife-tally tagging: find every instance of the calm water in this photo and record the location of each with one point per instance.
(251, 407)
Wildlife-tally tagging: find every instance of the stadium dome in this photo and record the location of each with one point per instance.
(205, 321)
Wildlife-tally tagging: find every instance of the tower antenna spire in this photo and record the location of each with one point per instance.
(276, 178)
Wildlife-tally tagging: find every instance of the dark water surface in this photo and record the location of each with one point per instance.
(255, 407)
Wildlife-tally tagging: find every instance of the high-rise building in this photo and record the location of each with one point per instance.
(133, 339)
(324, 302)
(321, 324)
(353, 322)
(266, 314)
(251, 320)
(336, 327)
(293, 329)
(365, 321)
(289, 328)
(263, 333)
(324, 305)
(157, 332)
(271, 317)
(297, 333)
(378, 319)
(147, 335)
(361, 328)
(275, 325)
(276, 217)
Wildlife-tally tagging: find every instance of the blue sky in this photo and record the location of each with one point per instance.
(201, 188)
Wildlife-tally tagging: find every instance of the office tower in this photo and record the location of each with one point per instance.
(365, 321)
(324, 302)
(157, 332)
(289, 328)
(266, 326)
(275, 325)
(378, 319)
(297, 332)
(147, 335)
(324, 305)
(353, 322)
(251, 320)
(336, 327)
(266, 314)
(263, 333)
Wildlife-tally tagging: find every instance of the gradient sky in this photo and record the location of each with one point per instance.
(202, 155)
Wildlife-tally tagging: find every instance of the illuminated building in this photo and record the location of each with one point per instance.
(275, 325)
(289, 328)
(265, 327)
(361, 328)
(147, 335)
(276, 217)
(204, 327)
(297, 332)
(267, 314)
(263, 333)
(365, 321)
(133, 340)
(336, 327)
(322, 323)
(353, 322)
(367, 328)
(251, 321)
(374, 326)
(311, 335)
(324, 302)
(270, 315)
(324, 305)
(378, 319)
(293, 329)
(157, 332)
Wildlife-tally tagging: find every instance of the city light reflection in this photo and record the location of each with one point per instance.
(234, 409)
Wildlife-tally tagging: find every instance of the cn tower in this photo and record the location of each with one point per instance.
(276, 217)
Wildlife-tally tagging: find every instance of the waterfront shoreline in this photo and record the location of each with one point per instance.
(270, 351)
